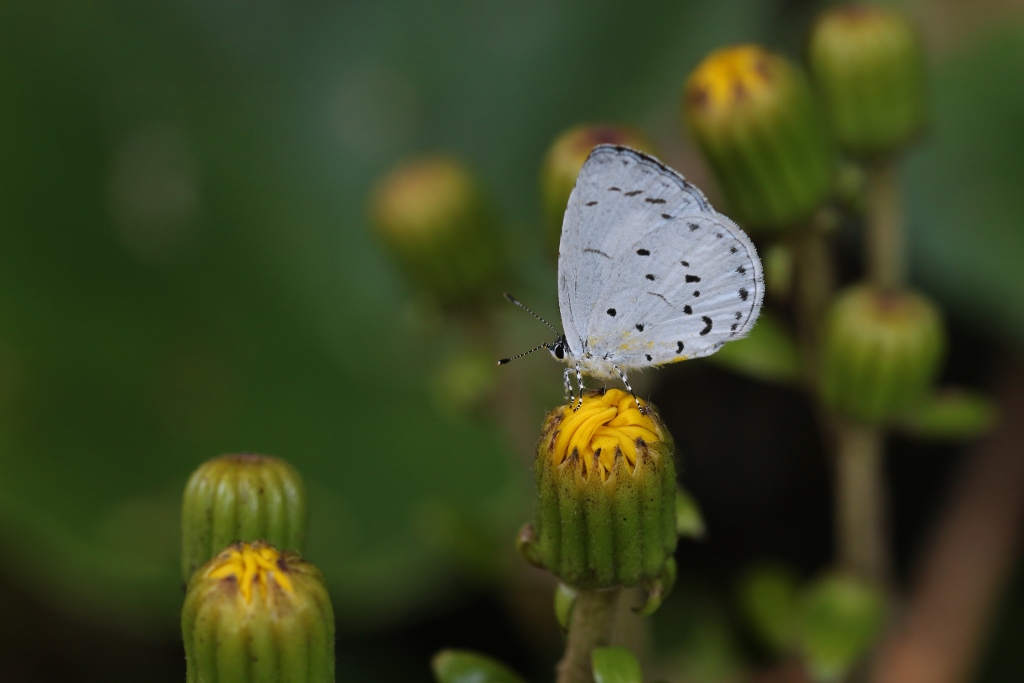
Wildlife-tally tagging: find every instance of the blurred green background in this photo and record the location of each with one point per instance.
(186, 270)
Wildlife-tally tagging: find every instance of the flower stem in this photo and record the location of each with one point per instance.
(885, 259)
(861, 502)
(593, 621)
(815, 285)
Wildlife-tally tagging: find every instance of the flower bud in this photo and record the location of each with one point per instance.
(606, 480)
(432, 217)
(868, 65)
(563, 163)
(255, 614)
(881, 352)
(754, 117)
(241, 498)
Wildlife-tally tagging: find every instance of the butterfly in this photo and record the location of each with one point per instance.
(648, 272)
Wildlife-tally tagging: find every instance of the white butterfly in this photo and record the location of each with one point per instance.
(648, 272)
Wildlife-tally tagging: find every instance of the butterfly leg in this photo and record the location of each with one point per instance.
(625, 381)
(569, 397)
(579, 383)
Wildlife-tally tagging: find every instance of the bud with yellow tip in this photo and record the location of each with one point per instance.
(564, 160)
(754, 117)
(606, 515)
(253, 613)
(431, 215)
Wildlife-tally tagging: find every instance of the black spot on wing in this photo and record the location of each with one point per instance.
(687, 309)
(696, 292)
(741, 270)
(739, 315)
(648, 357)
(679, 347)
(666, 216)
(719, 235)
(707, 325)
(639, 327)
(734, 326)
(733, 250)
(611, 312)
(693, 226)
(650, 276)
(634, 193)
(590, 204)
(685, 263)
(692, 278)
(653, 200)
(614, 189)
(643, 252)
(744, 293)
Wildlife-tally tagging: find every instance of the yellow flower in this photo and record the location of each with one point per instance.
(606, 488)
(604, 428)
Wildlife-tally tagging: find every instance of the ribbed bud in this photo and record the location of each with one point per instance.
(762, 131)
(607, 486)
(867, 63)
(563, 163)
(241, 498)
(253, 614)
(431, 215)
(881, 352)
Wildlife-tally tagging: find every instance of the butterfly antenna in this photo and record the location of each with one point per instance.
(526, 308)
(520, 355)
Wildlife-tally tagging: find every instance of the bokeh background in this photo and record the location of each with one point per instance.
(186, 270)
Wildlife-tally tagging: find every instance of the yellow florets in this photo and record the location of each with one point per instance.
(605, 425)
(251, 565)
(729, 78)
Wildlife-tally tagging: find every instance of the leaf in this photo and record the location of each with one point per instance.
(463, 666)
(615, 665)
(840, 617)
(768, 600)
(952, 414)
(769, 353)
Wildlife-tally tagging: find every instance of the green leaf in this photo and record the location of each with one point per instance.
(565, 599)
(689, 520)
(464, 666)
(615, 665)
(952, 414)
(840, 617)
(769, 353)
(768, 600)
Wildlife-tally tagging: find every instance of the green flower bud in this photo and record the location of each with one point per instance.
(563, 163)
(255, 614)
(432, 217)
(881, 352)
(241, 498)
(607, 485)
(754, 116)
(868, 65)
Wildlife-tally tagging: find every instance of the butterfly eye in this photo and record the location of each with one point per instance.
(559, 351)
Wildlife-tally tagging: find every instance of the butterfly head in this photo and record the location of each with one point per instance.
(559, 348)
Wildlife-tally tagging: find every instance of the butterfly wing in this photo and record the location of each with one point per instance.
(619, 195)
(681, 290)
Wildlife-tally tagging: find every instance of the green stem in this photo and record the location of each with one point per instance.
(815, 285)
(593, 620)
(884, 247)
(861, 502)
